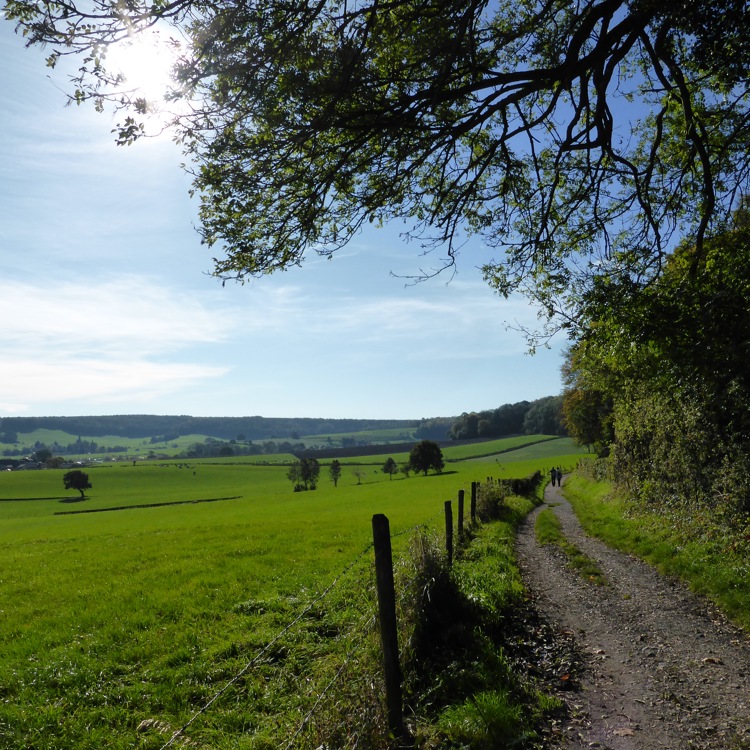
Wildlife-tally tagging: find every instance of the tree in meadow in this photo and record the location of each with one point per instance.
(77, 480)
(304, 473)
(334, 471)
(390, 467)
(426, 455)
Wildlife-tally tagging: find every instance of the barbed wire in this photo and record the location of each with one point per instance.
(347, 659)
(250, 664)
(265, 649)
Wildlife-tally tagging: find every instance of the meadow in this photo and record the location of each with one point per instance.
(179, 445)
(177, 578)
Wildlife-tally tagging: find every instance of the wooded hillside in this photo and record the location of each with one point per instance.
(170, 427)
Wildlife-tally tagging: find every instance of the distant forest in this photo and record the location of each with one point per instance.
(542, 416)
(172, 427)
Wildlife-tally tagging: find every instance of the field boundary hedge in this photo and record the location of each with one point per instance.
(146, 505)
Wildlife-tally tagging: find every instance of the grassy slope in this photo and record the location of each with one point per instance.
(110, 618)
(142, 446)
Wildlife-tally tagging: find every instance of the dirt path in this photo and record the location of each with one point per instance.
(660, 667)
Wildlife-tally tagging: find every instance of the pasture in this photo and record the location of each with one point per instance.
(132, 614)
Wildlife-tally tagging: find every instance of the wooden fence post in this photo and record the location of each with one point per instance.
(473, 502)
(460, 515)
(381, 535)
(449, 531)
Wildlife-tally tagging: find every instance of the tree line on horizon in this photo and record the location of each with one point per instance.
(542, 416)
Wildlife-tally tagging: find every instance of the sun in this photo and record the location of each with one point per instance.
(145, 61)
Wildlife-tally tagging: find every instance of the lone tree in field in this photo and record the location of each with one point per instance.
(359, 473)
(304, 473)
(77, 480)
(334, 472)
(576, 139)
(390, 467)
(426, 455)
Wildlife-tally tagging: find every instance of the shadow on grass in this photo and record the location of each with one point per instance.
(442, 474)
(30, 499)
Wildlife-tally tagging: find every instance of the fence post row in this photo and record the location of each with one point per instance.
(381, 535)
(449, 531)
(460, 515)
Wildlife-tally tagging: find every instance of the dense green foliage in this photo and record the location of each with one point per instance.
(334, 472)
(390, 467)
(540, 417)
(670, 359)
(77, 480)
(304, 474)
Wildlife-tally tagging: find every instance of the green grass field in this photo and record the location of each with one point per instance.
(112, 618)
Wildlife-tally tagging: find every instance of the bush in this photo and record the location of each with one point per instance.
(490, 499)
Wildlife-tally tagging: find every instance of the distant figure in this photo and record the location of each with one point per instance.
(553, 474)
(559, 477)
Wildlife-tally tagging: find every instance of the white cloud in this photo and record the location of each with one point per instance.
(129, 315)
(101, 342)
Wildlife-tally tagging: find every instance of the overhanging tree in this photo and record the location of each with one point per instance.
(573, 137)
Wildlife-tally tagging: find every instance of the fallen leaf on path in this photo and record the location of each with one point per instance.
(624, 732)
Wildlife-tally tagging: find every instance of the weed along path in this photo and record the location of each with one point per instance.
(658, 667)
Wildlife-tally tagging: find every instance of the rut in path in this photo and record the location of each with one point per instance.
(661, 667)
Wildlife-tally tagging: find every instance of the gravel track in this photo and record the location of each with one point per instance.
(660, 667)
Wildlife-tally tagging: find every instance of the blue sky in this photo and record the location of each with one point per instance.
(107, 305)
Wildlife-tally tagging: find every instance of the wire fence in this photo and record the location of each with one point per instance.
(359, 637)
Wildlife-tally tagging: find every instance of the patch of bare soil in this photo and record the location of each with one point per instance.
(656, 666)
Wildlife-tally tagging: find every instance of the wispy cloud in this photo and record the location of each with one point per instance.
(101, 342)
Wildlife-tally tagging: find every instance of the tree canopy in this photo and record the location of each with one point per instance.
(426, 455)
(334, 471)
(572, 137)
(304, 474)
(77, 480)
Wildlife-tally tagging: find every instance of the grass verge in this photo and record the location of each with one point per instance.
(468, 689)
(712, 558)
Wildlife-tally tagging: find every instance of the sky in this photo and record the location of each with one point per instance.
(107, 305)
